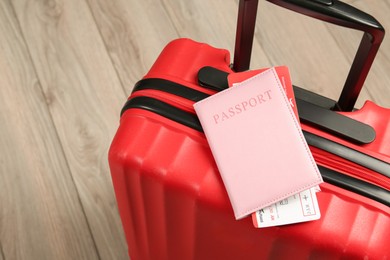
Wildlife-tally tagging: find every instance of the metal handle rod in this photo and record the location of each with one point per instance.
(246, 20)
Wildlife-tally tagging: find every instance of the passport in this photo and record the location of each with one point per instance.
(257, 143)
(299, 207)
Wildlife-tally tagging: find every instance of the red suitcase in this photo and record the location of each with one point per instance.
(171, 199)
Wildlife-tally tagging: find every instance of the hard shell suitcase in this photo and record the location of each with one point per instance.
(172, 201)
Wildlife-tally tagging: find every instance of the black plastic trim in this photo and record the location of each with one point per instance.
(313, 98)
(170, 87)
(355, 185)
(212, 78)
(347, 182)
(165, 110)
(348, 153)
(334, 123)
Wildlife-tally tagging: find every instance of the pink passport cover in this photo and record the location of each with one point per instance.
(257, 143)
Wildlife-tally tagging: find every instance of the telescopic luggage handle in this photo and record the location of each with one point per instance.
(332, 11)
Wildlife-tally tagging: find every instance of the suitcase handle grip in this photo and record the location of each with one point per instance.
(332, 11)
(336, 12)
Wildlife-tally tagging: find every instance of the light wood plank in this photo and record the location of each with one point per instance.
(134, 41)
(40, 215)
(212, 22)
(1, 253)
(84, 97)
(134, 33)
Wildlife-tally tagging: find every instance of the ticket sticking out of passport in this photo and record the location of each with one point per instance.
(257, 143)
(300, 207)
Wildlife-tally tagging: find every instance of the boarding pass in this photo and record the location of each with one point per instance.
(300, 207)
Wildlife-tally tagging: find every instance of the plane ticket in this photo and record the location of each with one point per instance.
(300, 207)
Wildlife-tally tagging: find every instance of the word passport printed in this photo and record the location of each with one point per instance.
(257, 144)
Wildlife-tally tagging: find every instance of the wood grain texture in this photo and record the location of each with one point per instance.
(40, 215)
(134, 33)
(84, 97)
(66, 69)
(134, 41)
(1, 253)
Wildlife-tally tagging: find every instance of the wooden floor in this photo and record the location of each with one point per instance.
(66, 68)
